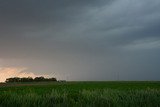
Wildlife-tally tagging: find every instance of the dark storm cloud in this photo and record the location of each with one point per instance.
(82, 37)
(125, 21)
(38, 12)
(32, 22)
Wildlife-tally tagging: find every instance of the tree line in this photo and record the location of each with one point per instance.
(30, 79)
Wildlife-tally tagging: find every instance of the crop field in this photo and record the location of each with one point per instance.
(81, 94)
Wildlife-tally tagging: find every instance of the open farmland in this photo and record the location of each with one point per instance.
(80, 94)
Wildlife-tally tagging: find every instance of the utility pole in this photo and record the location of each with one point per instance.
(117, 75)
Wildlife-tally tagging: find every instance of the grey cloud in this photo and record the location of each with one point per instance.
(127, 20)
(87, 39)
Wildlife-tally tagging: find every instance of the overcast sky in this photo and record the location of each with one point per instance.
(80, 39)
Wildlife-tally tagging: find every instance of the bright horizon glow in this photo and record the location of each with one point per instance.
(8, 72)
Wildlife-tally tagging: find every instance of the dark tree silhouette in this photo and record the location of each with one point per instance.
(24, 79)
(29, 79)
(37, 79)
(15, 79)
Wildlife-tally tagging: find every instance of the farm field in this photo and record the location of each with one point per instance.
(81, 94)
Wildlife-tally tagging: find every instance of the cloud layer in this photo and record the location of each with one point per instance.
(82, 40)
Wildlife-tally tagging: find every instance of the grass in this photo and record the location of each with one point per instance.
(81, 94)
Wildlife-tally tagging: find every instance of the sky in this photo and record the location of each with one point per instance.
(80, 40)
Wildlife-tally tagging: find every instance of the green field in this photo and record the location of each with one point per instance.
(81, 94)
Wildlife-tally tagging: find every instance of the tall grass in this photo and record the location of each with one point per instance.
(82, 98)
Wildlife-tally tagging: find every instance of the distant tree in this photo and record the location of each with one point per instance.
(38, 79)
(52, 79)
(14, 79)
(30, 79)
